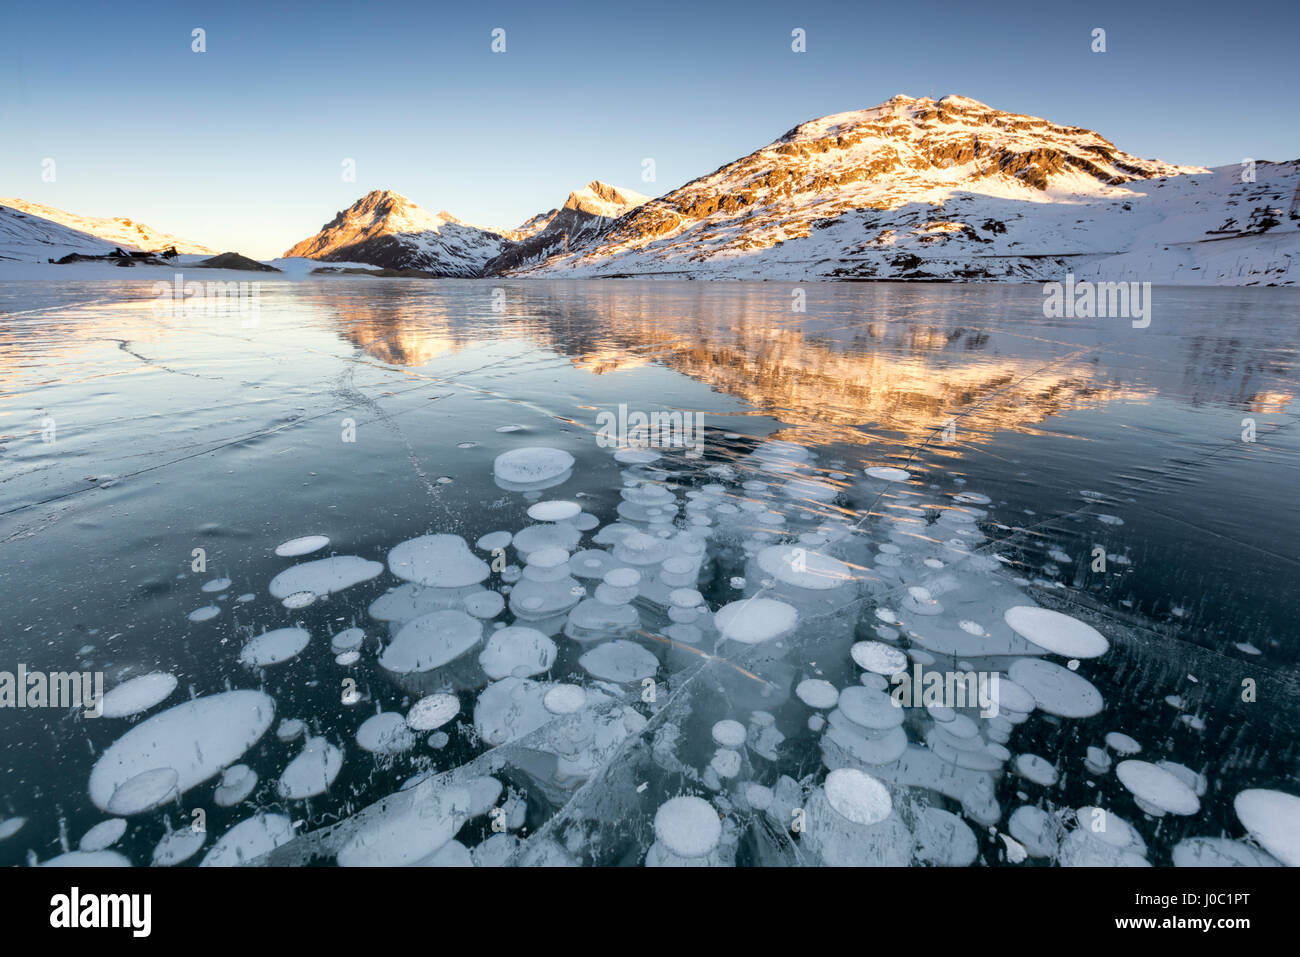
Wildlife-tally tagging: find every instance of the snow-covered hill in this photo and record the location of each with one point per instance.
(386, 229)
(585, 216)
(951, 189)
(26, 222)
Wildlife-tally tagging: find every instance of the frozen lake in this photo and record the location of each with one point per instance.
(1141, 481)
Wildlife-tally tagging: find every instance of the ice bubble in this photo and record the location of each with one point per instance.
(619, 661)
(944, 839)
(431, 641)
(299, 599)
(237, 783)
(274, 647)
(1273, 819)
(349, 639)
(729, 734)
(565, 699)
(485, 604)
(102, 835)
(1038, 831)
(879, 658)
(249, 839)
(290, 729)
(858, 797)
(88, 859)
(216, 585)
(178, 749)
(493, 540)
(554, 511)
(972, 498)
(324, 576)
(688, 826)
(971, 627)
(725, 763)
(753, 621)
(179, 846)
(1122, 743)
(531, 466)
(432, 712)
(509, 709)
(1219, 852)
(1056, 690)
(444, 561)
(887, 473)
(346, 659)
(518, 651)
(137, 695)
(1109, 827)
(803, 567)
(1157, 788)
(385, 733)
(816, 693)
(1197, 782)
(296, 547)
(312, 771)
(1057, 633)
(1036, 769)
(870, 708)
(1110, 519)
(10, 826)
(206, 613)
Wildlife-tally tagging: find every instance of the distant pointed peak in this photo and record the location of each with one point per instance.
(602, 199)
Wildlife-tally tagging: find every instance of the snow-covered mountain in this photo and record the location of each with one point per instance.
(585, 216)
(386, 229)
(26, 223)
(951, 189)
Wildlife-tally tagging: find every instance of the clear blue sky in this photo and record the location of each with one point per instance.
(241, 147)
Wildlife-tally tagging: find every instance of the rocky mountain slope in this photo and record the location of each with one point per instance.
(952, 189)
(386, 229)
(31, 232)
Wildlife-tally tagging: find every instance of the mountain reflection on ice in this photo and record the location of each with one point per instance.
(475, 635)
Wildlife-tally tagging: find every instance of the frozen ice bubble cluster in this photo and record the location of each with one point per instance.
(756, 657)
